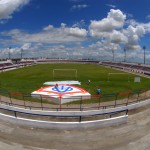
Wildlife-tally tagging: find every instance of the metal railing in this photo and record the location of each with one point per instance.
(97, 102)
(77, 118)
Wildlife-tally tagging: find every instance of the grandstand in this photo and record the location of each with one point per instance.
(39, 61)
(132, 67)
(9, 64)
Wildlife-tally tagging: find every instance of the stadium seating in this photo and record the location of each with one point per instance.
(130, 67)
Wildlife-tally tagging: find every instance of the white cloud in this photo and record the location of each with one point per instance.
(110, 28)
(79, 24)
(148, 17)
(110, 5)
(49, 27)
(135, 31)
(134, 23)
(117, 37)
(105, 45)
(49, 34)
(134, 34)
(118, 16)
(129, 15)
(76, 1)
(8, 7)
(146, 27)
(115, 20)
(131, 22)
(77, 32)
(113, 30)
(79, 6)
(26, 46)
(63, 25)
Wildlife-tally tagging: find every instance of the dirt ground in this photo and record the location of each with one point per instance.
(134, 135)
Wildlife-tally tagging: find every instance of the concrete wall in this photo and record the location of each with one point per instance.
(70, 125)
(77, 113)
(65, 125)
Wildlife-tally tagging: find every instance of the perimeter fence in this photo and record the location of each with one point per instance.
(103, 101)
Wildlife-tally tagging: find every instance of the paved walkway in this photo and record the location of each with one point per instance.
(134, 135)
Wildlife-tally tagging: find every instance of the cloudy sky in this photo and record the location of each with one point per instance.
(93, 29)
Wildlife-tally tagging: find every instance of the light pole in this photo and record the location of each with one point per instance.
(21, 53)
(9, 53)
(144, 48)
(113, 55)
(125, 55)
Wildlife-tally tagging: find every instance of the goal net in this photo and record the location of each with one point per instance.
(65, 73)
(119, 77)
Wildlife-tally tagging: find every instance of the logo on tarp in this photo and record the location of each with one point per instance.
(62, 88)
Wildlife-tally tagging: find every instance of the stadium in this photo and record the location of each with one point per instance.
(74, 74)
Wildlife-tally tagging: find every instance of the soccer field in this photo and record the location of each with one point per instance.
(29, 79)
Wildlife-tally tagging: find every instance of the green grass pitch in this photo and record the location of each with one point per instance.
(29, 79)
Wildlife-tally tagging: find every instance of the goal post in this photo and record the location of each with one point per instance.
(65, 73)
(124, 76)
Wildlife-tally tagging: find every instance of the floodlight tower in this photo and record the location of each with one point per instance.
(144, 48)
(125, 55)
(21, 54)
(9, 53)
(113, 55)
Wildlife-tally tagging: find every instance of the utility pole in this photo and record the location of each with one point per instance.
(144, 48)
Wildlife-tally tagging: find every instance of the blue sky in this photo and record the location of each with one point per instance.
(75, 28)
